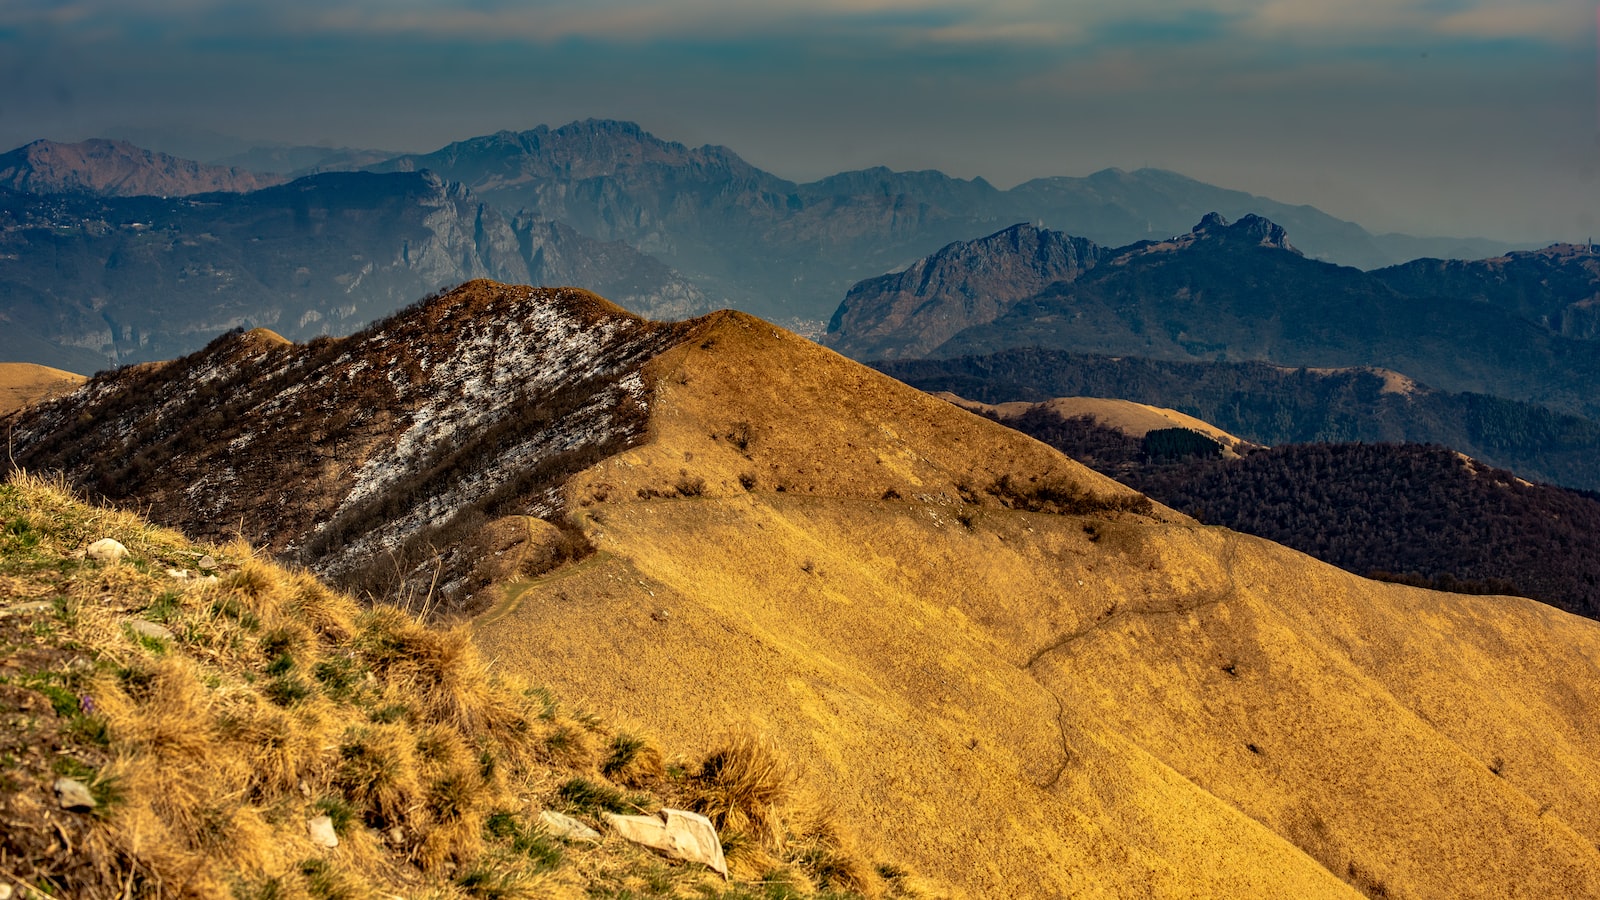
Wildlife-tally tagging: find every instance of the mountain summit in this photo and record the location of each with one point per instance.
(718, 522)
(107, 168)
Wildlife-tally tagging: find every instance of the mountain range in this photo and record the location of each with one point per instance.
(715, 523)
(1513, 326)
(105, 168)
(706, 228)
(759, 242)
(93, 281)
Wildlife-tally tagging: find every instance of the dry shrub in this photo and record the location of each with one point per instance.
(456, 801)
(162, 713)
(633, 761)
(331, 615)
(377, 771)
(281, 747)
(828, 856)
(742, 787)
(569, 744)
(442, 670)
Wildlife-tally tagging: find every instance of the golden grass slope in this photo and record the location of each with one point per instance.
(257, 701)
(24, 383)
(1126, 416)
(1026, 704)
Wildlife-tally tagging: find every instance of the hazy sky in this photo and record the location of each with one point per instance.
(1463, 117)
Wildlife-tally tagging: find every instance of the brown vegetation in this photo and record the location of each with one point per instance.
(212, 720)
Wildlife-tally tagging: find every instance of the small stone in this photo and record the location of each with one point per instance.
(107, 550)
(73, 795)
(177, 573)
(396, 836)
(320, 830)
(567, 828)
(148, 629)
(207, 562)
(5, 891)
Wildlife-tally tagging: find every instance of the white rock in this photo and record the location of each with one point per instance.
(5, 891)
(207, 562)
(320, 830)
(149, 629)
(107, 550)
(177, 573)
(682, 835)
(73, 795)
(567, 828)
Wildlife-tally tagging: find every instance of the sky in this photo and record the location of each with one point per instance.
(1438, 117)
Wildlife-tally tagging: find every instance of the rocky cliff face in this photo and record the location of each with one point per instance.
(756, 241)
(968, 283)
(100, 281)
(118, 169)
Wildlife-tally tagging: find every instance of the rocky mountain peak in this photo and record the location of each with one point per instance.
(1251, 227)
(966, 283)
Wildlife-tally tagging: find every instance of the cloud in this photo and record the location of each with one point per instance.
(907, 23)
(1556, 22)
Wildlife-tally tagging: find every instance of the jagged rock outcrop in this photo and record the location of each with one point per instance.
(969, 283)
(107, 168)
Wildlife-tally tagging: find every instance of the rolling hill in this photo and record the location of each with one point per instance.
(1269, 404)
(716, 522)
(24, 383)
(1418, 513)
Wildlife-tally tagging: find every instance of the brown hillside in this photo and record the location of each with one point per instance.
(24, 383)
(1017, 676)
(1029, 704)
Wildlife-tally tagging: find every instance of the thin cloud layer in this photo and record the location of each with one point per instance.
(1452, 116)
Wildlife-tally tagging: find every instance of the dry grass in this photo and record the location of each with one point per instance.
(1042, 704)
(22, 384)
(269, 701)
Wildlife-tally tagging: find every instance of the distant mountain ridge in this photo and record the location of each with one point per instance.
(92, 282)
(778, 247)
(1242, 292)
(1271, 404)
(705, 227)
(105, 168)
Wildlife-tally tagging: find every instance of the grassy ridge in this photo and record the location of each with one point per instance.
(214, 715)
